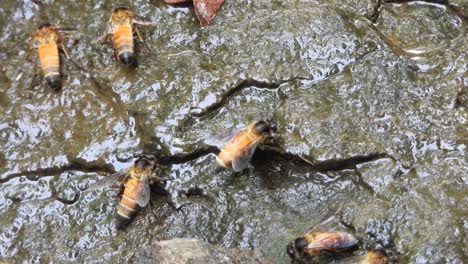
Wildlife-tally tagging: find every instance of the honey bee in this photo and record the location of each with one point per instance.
(371, 257)
(314, 243)
(48, 42)
(239, 144)
(136, 191)
(204, 9)
(121, 26)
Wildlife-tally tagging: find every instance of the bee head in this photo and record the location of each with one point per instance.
(262, 127)
(144, 161)
(141, 164)
(296, 248)
(300, 244)
(121, 6)
(44, 25)
(121, 14)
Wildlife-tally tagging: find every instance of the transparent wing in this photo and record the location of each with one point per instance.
(243, 162)
(104, 30)
(333, 241)
(322, 243)
(112, 180)
(142, 191)
(224, 137)
(327, 218)
(140, 37)
(142, 21)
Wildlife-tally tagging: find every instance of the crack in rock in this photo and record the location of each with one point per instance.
(321, 165)
(240, 85)
(75, 165)
(267, 152)
(180, 158)
(271, 85)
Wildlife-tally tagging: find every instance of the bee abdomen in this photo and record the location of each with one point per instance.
(123, 43)
(126, 57)
(121, 221)
(53, 80)
(223, 161)
(218, 166)
(127, 207)
(50, 64)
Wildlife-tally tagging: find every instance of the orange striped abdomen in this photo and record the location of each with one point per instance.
(123, 44)
(128, 205)
(235, 149)
(50, 64)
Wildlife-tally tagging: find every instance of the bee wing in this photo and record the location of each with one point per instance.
(223, 138)
(330, 216)
(142, 191)
(333, 241)
(104, 30)
(110, 181)
(240, 163)
(142, 21)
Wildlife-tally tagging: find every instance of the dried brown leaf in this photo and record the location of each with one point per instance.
(206, 10)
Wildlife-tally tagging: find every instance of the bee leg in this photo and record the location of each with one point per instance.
(65, 51)
(33, 81)
(150, 207)
(158, 189)
(64, 70)
(26, 56)
(107, 40)
(71, 36)
(140, 37)
(116, 56)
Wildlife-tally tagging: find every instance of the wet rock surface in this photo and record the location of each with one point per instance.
(343, 80)
(187, 250)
